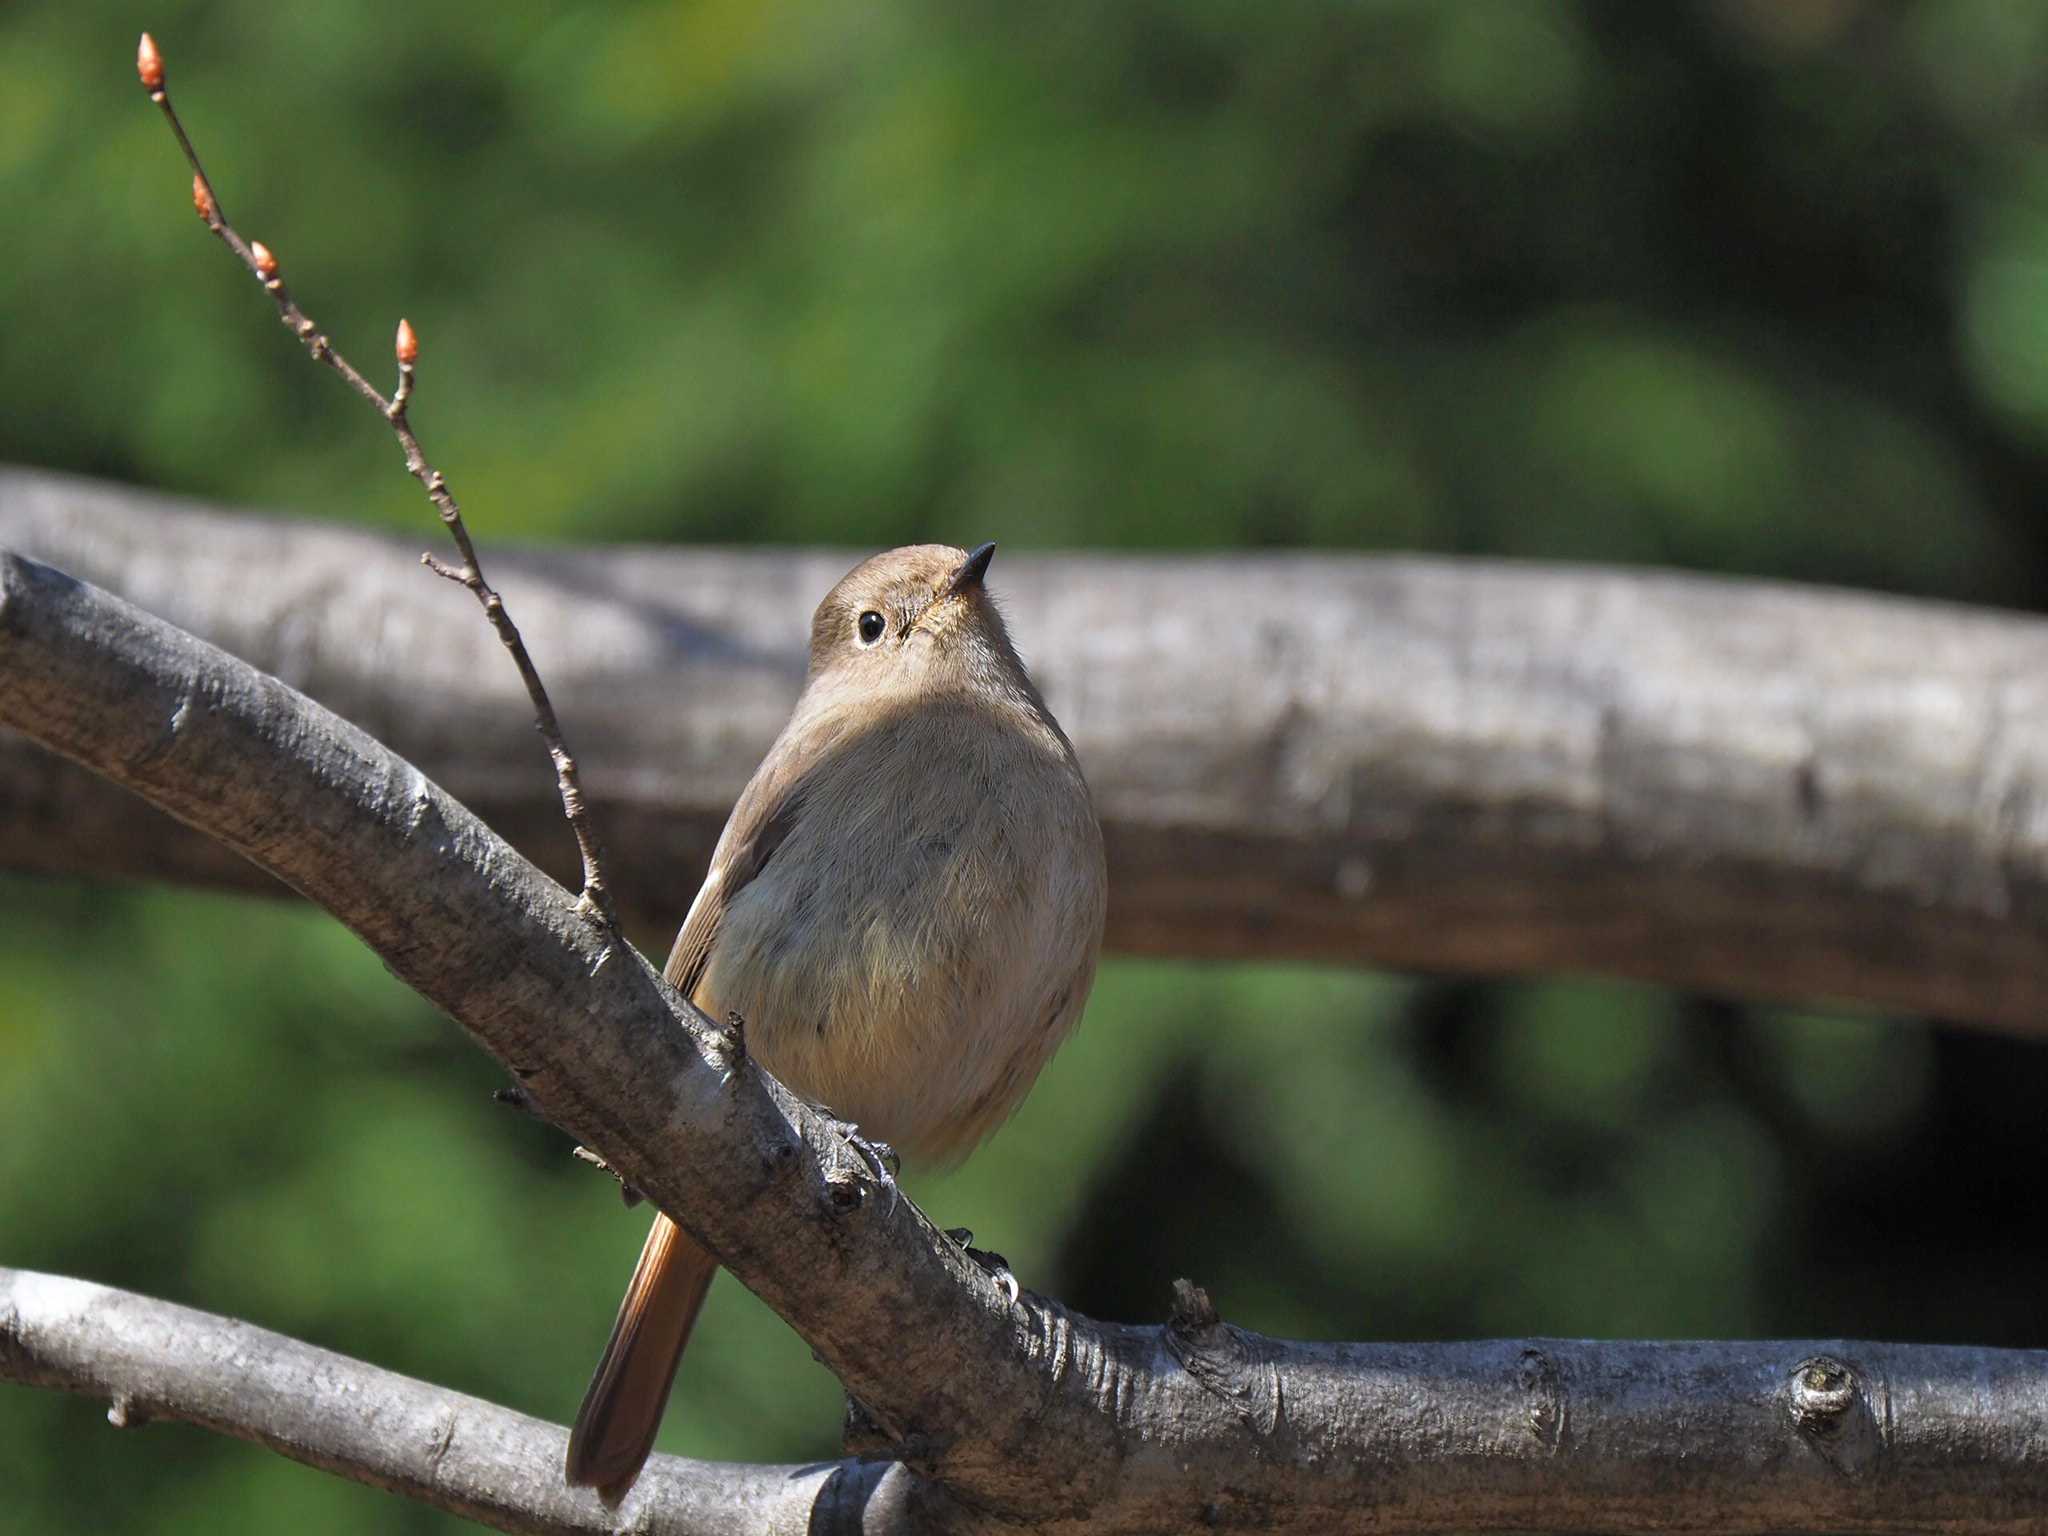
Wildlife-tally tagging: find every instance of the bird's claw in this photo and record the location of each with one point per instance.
(878, 1157)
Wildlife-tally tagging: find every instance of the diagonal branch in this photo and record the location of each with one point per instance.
(1458, 766)
(1539, 1436)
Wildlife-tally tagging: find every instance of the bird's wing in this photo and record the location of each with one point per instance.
(760, 822)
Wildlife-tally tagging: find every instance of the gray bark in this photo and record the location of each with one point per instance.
(152, 1360)
(1538, 1435)
(999, 1411)
(1751, 788)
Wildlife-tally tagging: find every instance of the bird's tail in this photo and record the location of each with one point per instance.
(622, 1410)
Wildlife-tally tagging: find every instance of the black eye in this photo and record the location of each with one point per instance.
(871, 627)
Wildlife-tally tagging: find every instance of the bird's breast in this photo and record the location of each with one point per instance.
(901, 957)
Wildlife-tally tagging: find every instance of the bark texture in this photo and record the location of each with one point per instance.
(1751, 788)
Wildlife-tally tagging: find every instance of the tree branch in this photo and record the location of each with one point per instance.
(153, 1360)
(1534, 1436)
(1750, 788)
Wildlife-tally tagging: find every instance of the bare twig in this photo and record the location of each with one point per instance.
(263, 264)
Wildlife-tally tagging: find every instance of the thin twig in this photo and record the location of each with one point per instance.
(263, 264)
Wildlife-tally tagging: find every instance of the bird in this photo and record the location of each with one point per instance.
(905, 910)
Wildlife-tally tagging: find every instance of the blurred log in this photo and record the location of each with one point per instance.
(1746, 787)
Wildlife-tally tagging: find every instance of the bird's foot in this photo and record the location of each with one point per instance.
(993, 1264)
(878, 1157)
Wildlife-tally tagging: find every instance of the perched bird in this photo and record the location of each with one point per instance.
(905, 909)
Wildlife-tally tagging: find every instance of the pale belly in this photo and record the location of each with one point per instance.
(920, 1008)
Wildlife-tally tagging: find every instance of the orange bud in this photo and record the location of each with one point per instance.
(266, 264)
(202, 199)
(149, 64)
(408, 347)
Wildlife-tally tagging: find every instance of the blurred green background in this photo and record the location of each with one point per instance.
(1756, 286)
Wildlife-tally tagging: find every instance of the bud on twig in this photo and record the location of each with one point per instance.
(596, 898)
(149, 64)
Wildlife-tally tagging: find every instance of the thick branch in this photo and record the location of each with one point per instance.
(1536, 1436)
(1751, 788)
(153, 1360)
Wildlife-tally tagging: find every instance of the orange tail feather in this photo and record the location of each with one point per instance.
(615, 1426)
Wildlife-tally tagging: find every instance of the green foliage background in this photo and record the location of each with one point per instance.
(1756, 286)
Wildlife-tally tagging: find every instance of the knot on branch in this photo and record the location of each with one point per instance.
(1829, 1403)
(1228, 1363)
(1549, 1410)
(126, 1412)
(1193, 1311)
(733, 1041)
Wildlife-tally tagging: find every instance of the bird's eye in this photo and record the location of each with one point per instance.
(871, 627)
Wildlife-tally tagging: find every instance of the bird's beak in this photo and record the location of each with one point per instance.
(972, 569)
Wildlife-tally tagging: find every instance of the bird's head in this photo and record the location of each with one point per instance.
(918, 618)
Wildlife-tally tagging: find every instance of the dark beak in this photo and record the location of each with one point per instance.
(972, 569)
